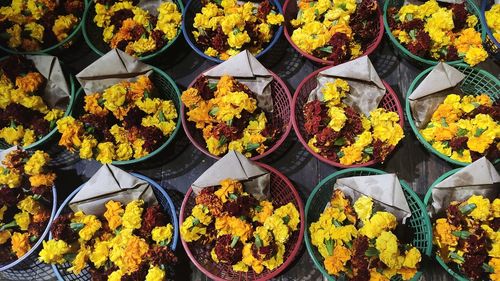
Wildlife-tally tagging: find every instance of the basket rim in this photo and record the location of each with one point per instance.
(41, 238)
(296, 247)
(141, 58)
(475, 11)
(53, 47)
(68, 111)
(197, 50)
(413, 126)
(155, 185)
(484, 23)
(389, 91)
(405, 187)
(273, 148)
(427, 199)
(172, 135)
(368, 51)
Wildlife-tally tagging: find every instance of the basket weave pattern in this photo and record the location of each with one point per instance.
(490, 43)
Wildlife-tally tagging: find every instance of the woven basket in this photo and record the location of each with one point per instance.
(194, 6)
(427, 199)
(28, 267)
(419, 221)
(167, 88)
(390, 102)
(57, 48)
(280, 119)
(290, 9)
(282, 193)
(163, 200)
(404, 53)
(48, 137)
(476, 82)
(490, 43)
(93, 34)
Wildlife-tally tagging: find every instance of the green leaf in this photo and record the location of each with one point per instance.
(475, 104)
(258, 241)
(339, 142)
(316, 12)
(456, 257)
(430, 125)
(466, 209)
(368, 150)
(232, 196)
(329, 243)
(348, 244)
(462, 132)
(101, 101)
(258, 208)
(340, 154)
(146, 94)
(11, 224)
(33, 238)
(236, 31)
(36, 197)
(409, 17)
(235, 241)
(222, 140)
(76, 226)
(413, 34)
(461, 234)
(286, 219)
(229, 122)
(161, 116)
(90, 130)
(479, 131)
(212, 86)
(213, 111)
(443, 122)
(52, 124)
(336, 223)
(343, 6)
(69, 257)
(243, 218)
(488, 268)
(372, 252)
(12, 124)
(252, 147)
(196, 222)
(326, 49)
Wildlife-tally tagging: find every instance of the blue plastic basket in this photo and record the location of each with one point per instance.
(490, 42)
(28, 267)
(194, 6)
(163, 199)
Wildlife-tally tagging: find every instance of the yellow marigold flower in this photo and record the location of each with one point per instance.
(464, 156)
(163, 234)
(31, 82)
(475, 55)
(289, 214)
(14, 36)
(116, 275)
(92, 105)
(263, 211)
(132, 216)
(443, 236)
(482, 210)
(214, 147)
(2, 212)
(278, 227)
(190, 231)
(62, 26)
(20, 243)
(100, 254)
(124, 151)
(387, 245)
(495, 208)
(12, 135)
(249, 260)
(29, 205)
(71, 131)
(169, 19)
(155, 274)
(148, 105)
(91, 226)
(22, 220)
(114, 96)
(4, 236)
(351, 154)
(202, 213)
(363, 207)
(80, 260)
(141, 46)
(138, 147)
(113, 214)
(87, 147)
(334, 92)
(379, 222)
(495, 263)
(36, 163)
(11, 178)
(336, 263)
(338, 118)
(54, 114)
(227, 187)
(43, 180)
(105, 152)
(412, 258)
(53, 252)
(442, 148)
(275, 19)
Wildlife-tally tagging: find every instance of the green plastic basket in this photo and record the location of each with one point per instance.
(167, 88)
(428, 197)
(59, 47)
(320, 196)
(476, 81)
(93, 34)
(47, 137)
(404, 53)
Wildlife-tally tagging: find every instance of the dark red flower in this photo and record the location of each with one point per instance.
(203, 89)
(359, 261)
(473, 266)
(219, 40)
(340, 48)
(229, 132)
(119, 16)
(458, 143)
(454, 216)
(460, 15)
(137, 32)
(100, 274)
(394, 23)
(493, 111)
(227, 251)
(414, 24)
(421, 45)
(312, 117)
(61, 229)
(10, 196)
(152, 217)
(242, 206)
(207, 198)
(152, 137)
(326, 137)
(35, 229)
(264, 252)
(161, 255)
(138, 275)
(381, 150)
(14, 66)
(159, 38)
(133, 118)
(74, 7)
(353, 126)
(264, 9)
(364, 22)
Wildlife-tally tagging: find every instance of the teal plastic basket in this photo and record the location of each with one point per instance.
(404, 53)
(419, 221)
(45, 139)
(93, 34)
(167, 88)
(476, 82)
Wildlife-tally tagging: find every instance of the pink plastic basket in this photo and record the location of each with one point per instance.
(390, 102)
(282, 101)
(282, 192)
(290, 10)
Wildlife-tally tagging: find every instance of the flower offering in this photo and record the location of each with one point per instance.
(125, 121)
(465, 128)
(128, 242)
(359, 243)
(340, 133)
(336, 31)
(24, 116)
(438, 31)
(133, 29)
(468, 237)
(32, 25)
(25, 202)
(229, 117)
(238, 230)
(493, 20)
(225, 28)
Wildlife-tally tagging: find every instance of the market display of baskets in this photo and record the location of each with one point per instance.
(476, 82)
(290, 10)
(280, 118)
(390, 102)
(490, 43)
(28, 267)
(163, 200)
(419, 221)
(282, 192)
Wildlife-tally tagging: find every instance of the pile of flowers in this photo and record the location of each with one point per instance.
(32, 25)
(358, 244)
(437, 32)
(468, 237)
(337, 31)
(123, 122)
(341, 134)
(493, 20)
(227, 113)
(127, 243)
(133, 29)
(225, 28)
(238, 230)
(24, 116)
(25, 202)
(465, 128)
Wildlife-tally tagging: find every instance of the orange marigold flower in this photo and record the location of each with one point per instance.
(30, 82)
(20, 243)
(43, 180)
(92, 105)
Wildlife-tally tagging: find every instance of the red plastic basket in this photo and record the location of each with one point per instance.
(282, 101)
(390, 102)
(282, 192)
(290, 11)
